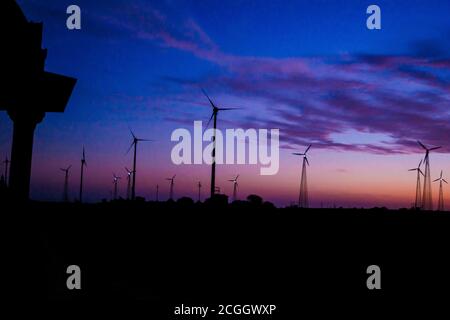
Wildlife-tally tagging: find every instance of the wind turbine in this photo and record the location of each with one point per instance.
(171, 186)
(427, 202)
(134, 144)
(157, 192)
(215, 111)
(235, 184)
(303, 201)
(418, 203)
(6, 162)
(129, 173)
(83, 164)
(115, 181)
(199, 185)
(66, 183)
(441, 193)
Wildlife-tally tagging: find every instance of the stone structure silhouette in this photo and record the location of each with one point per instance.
(28, 91)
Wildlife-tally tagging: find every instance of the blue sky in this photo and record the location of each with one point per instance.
(310, 68)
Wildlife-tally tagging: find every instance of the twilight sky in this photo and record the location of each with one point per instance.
(310, 68)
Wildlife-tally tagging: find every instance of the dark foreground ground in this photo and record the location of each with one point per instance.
(153, 257)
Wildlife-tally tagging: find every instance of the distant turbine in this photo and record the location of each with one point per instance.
(235, 184)
(441, 193)
(427, 202)
(303, 201)
(171, 186)
(157, 192)
(115, 181)
(418, 203)
(134, 144)
(199, 185)
(83, 164)
(215, 111)
(6, 162)
(129, 173)
(66, 183)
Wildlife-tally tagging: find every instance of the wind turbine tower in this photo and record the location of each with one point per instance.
(115, 181)
(215, 111)
(66, 183)
(235, 184)
(134, 144)
(129, 174)
(199, 185)
(83, 164)
(303, 200)
(418, 202)
(427, 201)
(441, 193)
(171, 186)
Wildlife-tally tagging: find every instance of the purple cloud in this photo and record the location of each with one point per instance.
(403, 98)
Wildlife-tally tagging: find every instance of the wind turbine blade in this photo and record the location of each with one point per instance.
(441, 174)
(420, 163)
(207, 125)
(225, 109)
(210, 101)
(84, 154)
(132, 133)
(68, 168)
(298, 154)
(144, 139)
(131, 146)
(174, 176)
(236, 177)
(421, 144)
(445, 181)
(231, 180)
(436, 180)
(307, 160)
(412, 169)
(421, 172)
(307, 149)
(435, 148)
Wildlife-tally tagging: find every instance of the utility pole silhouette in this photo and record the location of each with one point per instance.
(303, 200)
(418, 202)
(215, 111)
(134, 144)
(441, 192)
(427, 202)
(29, 91)
(66, 183)
(83, 164)
(171, 186)
(6, 162)
(235, 184)
(199, 185)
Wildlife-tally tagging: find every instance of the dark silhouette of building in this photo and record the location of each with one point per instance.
(28, 92)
